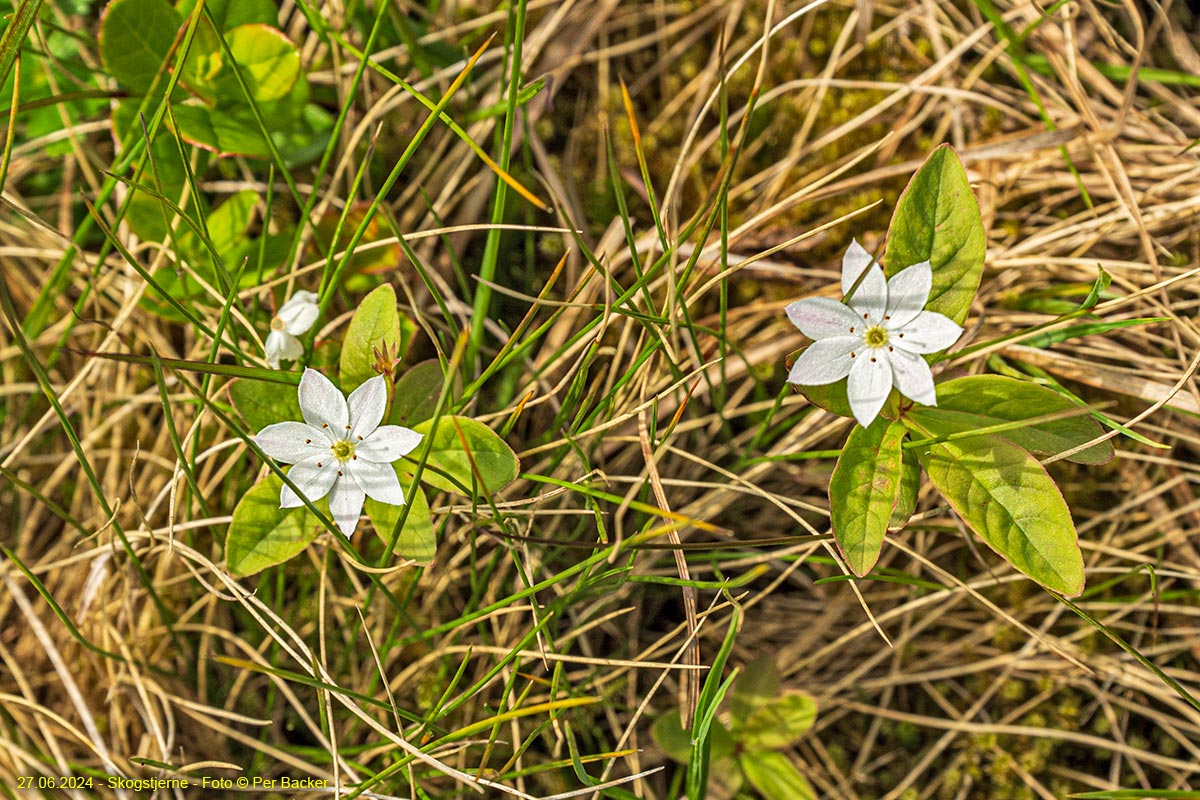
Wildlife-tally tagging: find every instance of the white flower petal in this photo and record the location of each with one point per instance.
(868, 387)
(299, 313)
(367, 404)
(388, 443)
(292, 442)
(282, 346)
(313, 477)
(345, 504)
(822, 318)
(298, 299)
(912, 377)
(869, 300)
(908, 291)
(928, 332)
(854, 263)
(379, 481)
(273, 348)
(321, 403)
(825, 361)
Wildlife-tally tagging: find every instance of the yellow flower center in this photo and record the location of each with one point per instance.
(875, 337)
(277, 324)
(343, 450)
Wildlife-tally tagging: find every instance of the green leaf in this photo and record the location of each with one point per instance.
(231, 128)
(228, 222)
(418, 540)
(756, 686)
(983, 400)
(225, 132)
(865, 490)
(227, 227)
(910, 485)
(262, 534)
(669, 732)
(268, 61)
(937, 220)
(1008, 499)
(135, 38)
(831, 397)
(229, 14)
(461, 441)
(305, 138)
(261, 403)
(417, 393)
(1049, 380)
(779, 723)
(775, 776)
(374, 326)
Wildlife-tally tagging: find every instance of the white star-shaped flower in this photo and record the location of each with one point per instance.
(293, 319)
(340, 449)
(878, 339)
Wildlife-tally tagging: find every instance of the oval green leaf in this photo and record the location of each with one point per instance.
(374, 328)
(1008, 499)
(135, 38)
(983, 400)
(831, 397)
(418, 540)
(262, 534)
(229, 14)
(865, 491)
(418, 391)
(937, 220)
(224, 132)
(268, 61)
(456, 445)
(775, 776)
(755, 687)
(672, 737)
(227, 226)
(780, 722)
(910, 484)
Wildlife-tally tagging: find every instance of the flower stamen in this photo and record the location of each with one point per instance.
(876, 337)
(343, 449)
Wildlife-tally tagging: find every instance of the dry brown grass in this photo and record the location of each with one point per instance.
(965, 682)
